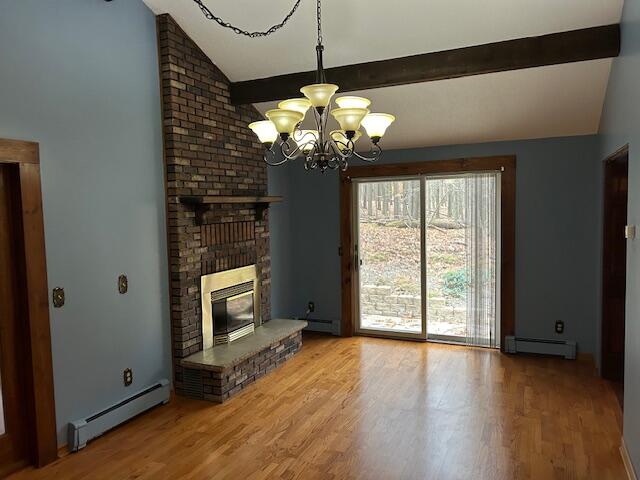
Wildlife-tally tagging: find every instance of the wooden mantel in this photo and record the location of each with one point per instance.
(203, 204)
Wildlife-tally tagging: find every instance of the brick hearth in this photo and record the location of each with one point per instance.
(219, 386)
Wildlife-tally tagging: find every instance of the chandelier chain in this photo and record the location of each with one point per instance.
(210, 16)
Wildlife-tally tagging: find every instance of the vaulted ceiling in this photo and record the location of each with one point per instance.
(549, 101)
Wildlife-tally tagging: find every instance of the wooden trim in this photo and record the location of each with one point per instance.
(220, 199)
(202, 205)
(63, 451)
(347, 257)
(508, 250)
(505, 163)
(17, 151)
(626, 459)
(553, 49)
(43, 434)
(456, 165)
(621, 152)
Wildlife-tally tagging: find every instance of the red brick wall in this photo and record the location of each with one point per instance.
(208, 151)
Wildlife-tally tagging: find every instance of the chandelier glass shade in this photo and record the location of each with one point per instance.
(298, 104)
(353, 102)
(321, 147)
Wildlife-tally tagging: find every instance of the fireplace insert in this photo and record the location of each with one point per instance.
(232, 311)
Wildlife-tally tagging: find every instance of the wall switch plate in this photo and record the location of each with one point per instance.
(127, 377)
(123, 284)
(58, 297)
(630, 232)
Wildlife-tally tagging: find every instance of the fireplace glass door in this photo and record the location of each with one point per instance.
(232, 313)
(232, 309)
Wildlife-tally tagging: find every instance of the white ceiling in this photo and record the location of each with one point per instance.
(534, 103)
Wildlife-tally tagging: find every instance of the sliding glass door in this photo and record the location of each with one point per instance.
(427, 257)
(462, 218)
(389, 229)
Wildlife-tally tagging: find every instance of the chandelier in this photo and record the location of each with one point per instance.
(323, 147)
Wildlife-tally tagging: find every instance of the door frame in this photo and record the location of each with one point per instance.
(505, 163)
(38, 364)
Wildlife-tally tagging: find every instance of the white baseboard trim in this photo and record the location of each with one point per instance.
(628, 466)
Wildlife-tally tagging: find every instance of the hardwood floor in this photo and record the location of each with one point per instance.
(369, 408)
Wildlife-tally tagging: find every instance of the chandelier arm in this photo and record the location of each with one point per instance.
(324, 118)
(210, 16)
(270, 153)
(309, 159)
(309, 146)
(334, 163)
(376, 152)
(288, 152)
(311, 163)
(307, 134)
(320, 125)
(335, 146)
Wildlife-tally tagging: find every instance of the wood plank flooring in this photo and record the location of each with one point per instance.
(367, 408)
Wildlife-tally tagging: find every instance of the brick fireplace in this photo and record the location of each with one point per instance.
(209, 154)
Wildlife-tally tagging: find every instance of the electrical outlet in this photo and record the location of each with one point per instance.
(58, 297)
(123, 284)
(127, 377)
(311, 307)
(559, 326)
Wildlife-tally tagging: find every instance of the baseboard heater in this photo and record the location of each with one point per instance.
(562, 348)
(311, 320)
(81, 431)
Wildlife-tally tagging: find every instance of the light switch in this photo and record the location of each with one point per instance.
(630, 232)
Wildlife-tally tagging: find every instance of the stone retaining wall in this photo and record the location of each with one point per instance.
(378, 300)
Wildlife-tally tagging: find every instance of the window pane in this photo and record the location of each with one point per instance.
(389, 249)
(461, 253)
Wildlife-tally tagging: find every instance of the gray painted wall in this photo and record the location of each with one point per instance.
(621, 125)
(281, 240)
(81, 78)
(557, 235)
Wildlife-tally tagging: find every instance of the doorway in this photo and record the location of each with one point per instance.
(614, 267)
(13, 412)
(27, 409)
(432, 250)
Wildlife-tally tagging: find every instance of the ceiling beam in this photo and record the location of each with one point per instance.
(556, 48)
